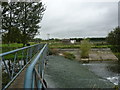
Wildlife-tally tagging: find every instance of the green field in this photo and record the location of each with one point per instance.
(13, 46)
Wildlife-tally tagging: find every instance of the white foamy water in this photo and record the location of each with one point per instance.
(113, 79)
(106, 70)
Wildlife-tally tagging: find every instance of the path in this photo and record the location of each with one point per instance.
(64, 73)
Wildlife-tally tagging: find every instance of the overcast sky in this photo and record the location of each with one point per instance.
(75, 18)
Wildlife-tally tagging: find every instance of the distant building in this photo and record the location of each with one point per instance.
(73, 41)
(66, 41)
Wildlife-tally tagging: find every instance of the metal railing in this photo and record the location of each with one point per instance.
(35, 72)
(13, 62)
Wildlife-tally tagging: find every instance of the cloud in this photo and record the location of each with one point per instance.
(72, 18)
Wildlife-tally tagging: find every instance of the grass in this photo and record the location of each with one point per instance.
(63, 46)
(13, 46)
(69, 55)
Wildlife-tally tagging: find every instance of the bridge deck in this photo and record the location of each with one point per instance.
(64, 73)
(19, 81)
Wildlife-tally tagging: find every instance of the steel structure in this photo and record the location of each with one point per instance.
(13, 62)
(34, 77)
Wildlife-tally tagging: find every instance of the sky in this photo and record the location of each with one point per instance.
(78, 18)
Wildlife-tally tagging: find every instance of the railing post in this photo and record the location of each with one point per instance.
(13, 66)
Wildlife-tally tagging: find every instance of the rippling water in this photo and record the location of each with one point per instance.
(108, 70)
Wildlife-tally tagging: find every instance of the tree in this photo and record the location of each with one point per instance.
(23, 17)
(16, 36)
(113, 38)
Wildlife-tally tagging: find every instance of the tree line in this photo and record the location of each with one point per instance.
(20, 21)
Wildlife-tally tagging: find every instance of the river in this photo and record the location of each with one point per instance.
(107, 69)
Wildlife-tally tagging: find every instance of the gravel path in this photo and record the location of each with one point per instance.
(64, 73)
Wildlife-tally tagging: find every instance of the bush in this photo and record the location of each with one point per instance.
(115, 48)
(117, 55)
(69, 55)
(85, 48)
(53, 52)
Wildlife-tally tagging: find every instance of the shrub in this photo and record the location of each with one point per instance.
(53, 52)
(69, 55)
(117, 55)
(85, 48)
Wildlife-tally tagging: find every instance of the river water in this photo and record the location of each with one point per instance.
(109, 70)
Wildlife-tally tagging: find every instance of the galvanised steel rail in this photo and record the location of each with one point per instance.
(34, 77)
(13, 62)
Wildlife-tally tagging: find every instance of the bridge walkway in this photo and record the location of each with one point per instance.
(19, 81)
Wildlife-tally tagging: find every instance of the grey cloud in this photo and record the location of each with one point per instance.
(65, 19)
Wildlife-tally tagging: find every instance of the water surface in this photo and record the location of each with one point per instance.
(107, 69)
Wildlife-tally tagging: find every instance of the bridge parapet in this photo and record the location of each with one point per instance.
(34, 77)
(13, 62)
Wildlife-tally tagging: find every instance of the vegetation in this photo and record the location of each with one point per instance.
(13, 46)
(62, 46)
(85, 48)
(20, 21)
(53, 51)
(69, 55)
(113, 38)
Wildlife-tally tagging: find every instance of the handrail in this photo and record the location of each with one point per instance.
(13, 51)
(13, 62)
(31, 73)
